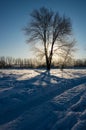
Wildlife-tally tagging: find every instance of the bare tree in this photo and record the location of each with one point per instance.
(48, 28)
(67, 54)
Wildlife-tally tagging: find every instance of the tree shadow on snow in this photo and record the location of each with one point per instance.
(29, 93)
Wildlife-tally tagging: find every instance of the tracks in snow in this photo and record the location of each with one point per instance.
(40, 107)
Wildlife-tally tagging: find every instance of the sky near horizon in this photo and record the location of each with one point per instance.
(15, 14)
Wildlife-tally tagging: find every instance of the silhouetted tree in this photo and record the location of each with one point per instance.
(49, 28)
(2, 62)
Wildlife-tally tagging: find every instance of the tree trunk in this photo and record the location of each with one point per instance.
(47, 63)
(50, 58)
(48, 67)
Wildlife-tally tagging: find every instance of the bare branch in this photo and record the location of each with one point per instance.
(50, 28)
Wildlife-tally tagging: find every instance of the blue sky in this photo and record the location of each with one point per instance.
(14, 15)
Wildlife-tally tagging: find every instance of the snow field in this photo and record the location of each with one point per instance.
(39, 100)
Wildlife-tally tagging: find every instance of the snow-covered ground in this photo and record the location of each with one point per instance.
(38, 100)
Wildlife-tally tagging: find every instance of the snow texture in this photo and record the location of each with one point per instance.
(39, 100)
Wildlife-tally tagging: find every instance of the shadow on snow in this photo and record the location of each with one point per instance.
(26, 94)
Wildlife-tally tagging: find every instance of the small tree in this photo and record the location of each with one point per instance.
(50, 28)
(66, 54)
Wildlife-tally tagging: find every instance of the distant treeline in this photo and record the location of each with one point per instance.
(9, 62)
(80, 63)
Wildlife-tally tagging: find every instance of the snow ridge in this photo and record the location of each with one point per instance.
(38, 100)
